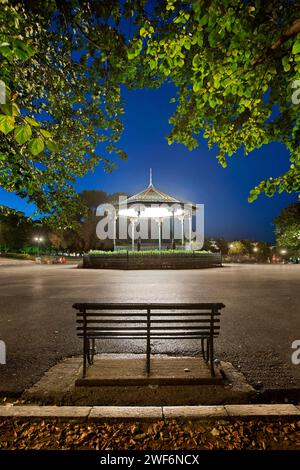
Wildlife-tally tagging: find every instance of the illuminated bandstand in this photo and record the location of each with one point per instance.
(156, 220)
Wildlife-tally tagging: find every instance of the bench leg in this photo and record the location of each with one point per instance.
(148, 340)
(211, 357)
(148, 354)
(202, 348)
(85, 346)
(205, 349)
(91, 349)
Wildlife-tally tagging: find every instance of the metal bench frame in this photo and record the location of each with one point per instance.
(148, 321)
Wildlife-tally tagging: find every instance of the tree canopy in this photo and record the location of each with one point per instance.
(15, 229)
(287, 230)
(62, 97)
(235, 65)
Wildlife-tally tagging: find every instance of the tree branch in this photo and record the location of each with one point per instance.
(292, 31)
(289, 33)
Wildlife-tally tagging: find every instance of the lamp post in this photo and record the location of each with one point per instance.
(284, 253)
(38, 241)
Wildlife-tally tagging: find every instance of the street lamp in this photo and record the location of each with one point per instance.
(283, 252)
(255, 249)
(38, 241)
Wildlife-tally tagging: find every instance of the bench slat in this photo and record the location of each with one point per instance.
(151, 306)
(152, 337)
(168, 321)
(131, 333)
(153, 314)
(143, 328)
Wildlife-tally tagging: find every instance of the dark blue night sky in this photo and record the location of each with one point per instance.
(194, 176)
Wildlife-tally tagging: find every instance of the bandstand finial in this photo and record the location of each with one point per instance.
(150, 183)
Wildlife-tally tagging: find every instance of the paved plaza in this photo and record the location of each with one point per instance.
(258, 325)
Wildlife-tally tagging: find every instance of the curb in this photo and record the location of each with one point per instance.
(129, 413)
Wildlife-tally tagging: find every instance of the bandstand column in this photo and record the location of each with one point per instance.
(190, 230)
(182, 230)
(173, 230)
(159, 221)
(132, 232)
(115, 230)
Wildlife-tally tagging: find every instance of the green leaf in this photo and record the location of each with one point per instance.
(253, 195)
(46, 133)
(135, 49)
(196, 61)
(296, 46)
(200, 40)
(7, 123)
(15, 110)
(5, 50)
(22, 134)
(179, 62)
(187, 43)
(7, 109)
(10, 109)
(285, 63)
(203, 20)
(212, 38)
(22, 50)
(143, 32)
(36, 146)
(153, 64)
(31, 121)
(197, 86)
(52, 146)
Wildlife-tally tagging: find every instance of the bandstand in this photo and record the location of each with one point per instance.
(154, 220)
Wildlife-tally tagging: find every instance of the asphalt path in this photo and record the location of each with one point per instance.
(258, 325)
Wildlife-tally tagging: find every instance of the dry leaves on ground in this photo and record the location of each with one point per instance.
(159, 435)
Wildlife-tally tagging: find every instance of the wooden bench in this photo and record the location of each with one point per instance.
(167, 321)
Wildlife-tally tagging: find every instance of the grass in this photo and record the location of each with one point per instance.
(25, 256)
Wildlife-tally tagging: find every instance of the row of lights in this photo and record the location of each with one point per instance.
(231, 245)
(256, 249)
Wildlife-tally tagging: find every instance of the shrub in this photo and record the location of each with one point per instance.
(145, 253)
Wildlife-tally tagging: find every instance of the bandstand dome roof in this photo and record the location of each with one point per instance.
(152, 195)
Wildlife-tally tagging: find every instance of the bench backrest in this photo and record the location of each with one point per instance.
(138, 321)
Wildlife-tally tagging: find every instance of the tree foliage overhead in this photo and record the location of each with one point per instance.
(235, 64)
(63, 62)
